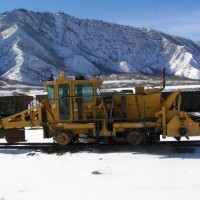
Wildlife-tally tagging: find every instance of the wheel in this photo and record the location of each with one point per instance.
(178, 138)
(182, 131)
(135, 137)
(63, 138)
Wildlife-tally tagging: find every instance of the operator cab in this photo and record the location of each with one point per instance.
(69, 97)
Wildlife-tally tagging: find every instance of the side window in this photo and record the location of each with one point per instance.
(64, 101)
(86, 91)
(51, 93)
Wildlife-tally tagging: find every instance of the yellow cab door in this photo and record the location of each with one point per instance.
(84, 93)
(64, 101)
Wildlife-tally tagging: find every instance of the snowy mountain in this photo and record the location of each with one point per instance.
(34, 45)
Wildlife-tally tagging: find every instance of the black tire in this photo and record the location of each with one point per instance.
(135, 138)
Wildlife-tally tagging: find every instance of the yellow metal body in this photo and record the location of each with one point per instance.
(75, 108)
(28, 118)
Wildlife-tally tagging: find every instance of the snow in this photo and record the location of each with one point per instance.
(22, 90)
(167, 88)
(16, 75)
(8, 32)
(133, 174)
(124, 66)
(59, 23)
(122, 81)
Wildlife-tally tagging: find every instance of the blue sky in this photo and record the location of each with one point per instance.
(176, 17)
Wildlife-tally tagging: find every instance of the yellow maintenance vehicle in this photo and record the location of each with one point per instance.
(79, 109)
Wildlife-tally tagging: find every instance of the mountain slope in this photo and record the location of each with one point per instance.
(34, 45)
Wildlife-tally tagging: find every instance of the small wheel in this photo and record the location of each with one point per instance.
(63, 138)
(135, 137)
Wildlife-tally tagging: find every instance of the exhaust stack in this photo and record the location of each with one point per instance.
(163, 78)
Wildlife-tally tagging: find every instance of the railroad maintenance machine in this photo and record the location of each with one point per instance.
(78, 108)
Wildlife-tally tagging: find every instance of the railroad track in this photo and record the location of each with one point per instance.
(163, 147)
(29, 146)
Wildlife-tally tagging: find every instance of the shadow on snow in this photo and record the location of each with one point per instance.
(163, 151)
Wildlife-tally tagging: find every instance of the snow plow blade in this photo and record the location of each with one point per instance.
(13, 135)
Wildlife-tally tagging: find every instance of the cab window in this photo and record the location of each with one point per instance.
(64, 101)
(51, 93)
(86, 91)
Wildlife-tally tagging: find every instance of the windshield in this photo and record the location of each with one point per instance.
(51, 93)
(85, 91)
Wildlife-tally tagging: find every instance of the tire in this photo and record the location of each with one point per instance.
(63, 138)
(135, 138)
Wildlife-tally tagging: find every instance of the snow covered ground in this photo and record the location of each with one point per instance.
(94, 174)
